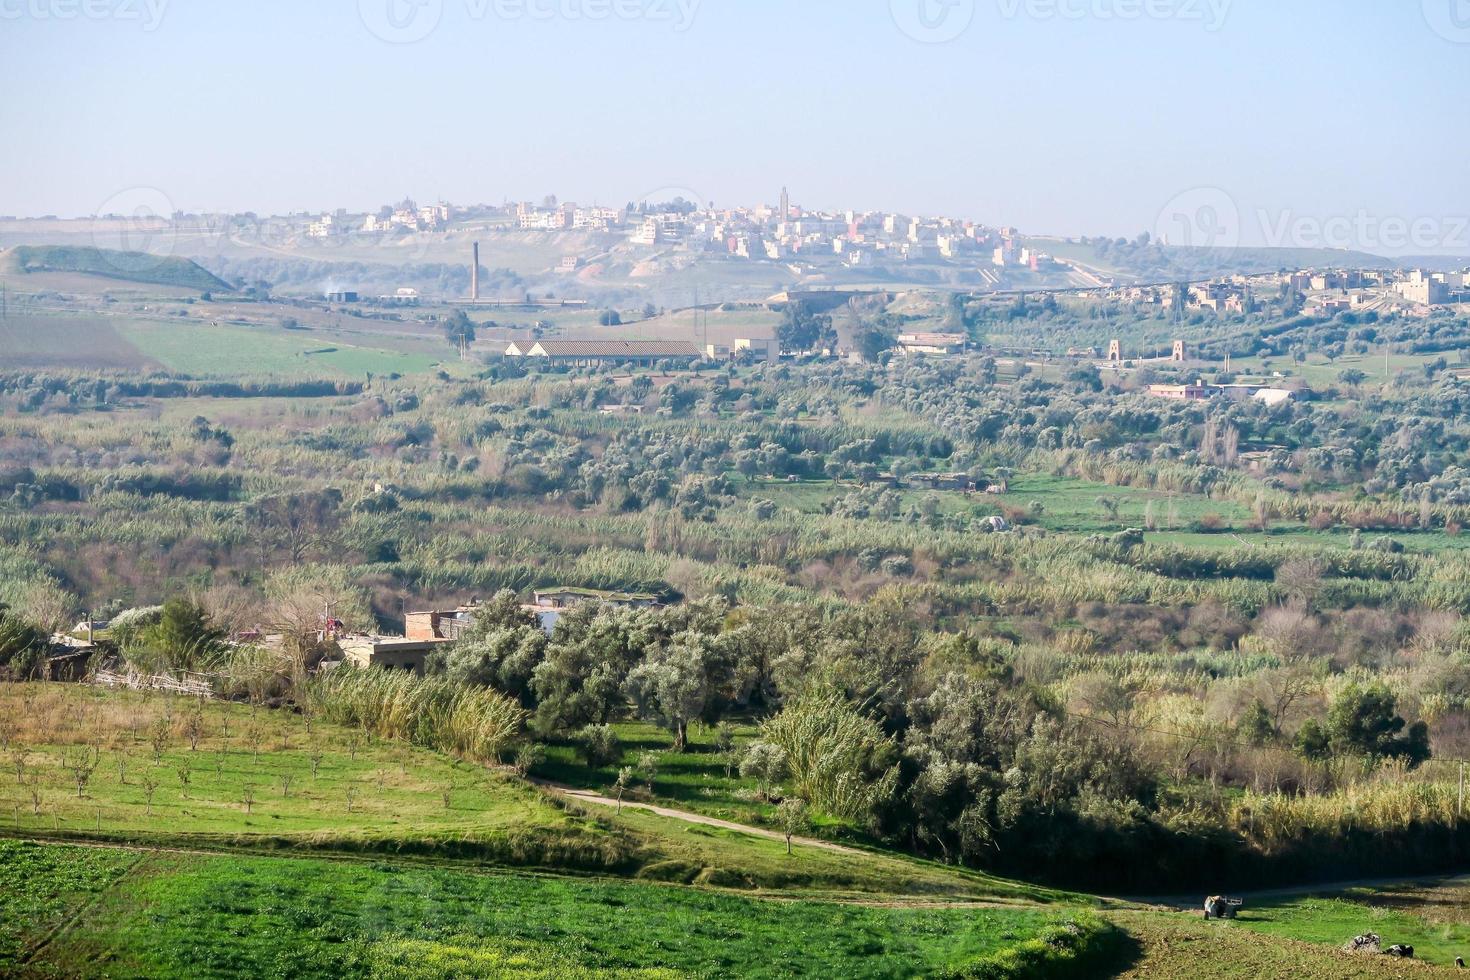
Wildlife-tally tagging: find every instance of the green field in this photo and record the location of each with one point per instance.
(378, 874)
(254, 777)
(260, 779)
(171, 915)
(1072, 505)
(1434, 920)
(388, 847)
(70, 911)
(694, 780)
(201, 349)
(1067, 504)
(1319, 372)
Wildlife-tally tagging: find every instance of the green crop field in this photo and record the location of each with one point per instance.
(1072, 505)
(70, 911)
(228, 351)
(170, 915)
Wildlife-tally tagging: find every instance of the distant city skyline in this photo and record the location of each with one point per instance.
(1062, 117)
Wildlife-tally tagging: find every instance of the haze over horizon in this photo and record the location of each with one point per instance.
(1067, 117)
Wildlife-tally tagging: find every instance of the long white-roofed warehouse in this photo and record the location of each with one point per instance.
(605, 351)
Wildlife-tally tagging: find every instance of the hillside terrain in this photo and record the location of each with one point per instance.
(164, 270)
(382, 866)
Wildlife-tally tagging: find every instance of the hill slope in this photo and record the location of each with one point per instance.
(163, 270)
(1162, 263)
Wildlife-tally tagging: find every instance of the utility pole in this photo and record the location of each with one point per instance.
(1460, 802)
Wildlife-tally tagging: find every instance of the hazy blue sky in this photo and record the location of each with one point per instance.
(1068, 116)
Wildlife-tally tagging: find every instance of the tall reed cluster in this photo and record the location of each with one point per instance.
(474, 723)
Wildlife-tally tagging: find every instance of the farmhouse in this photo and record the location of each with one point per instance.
(1197, 392)
(605, 351)
(403, 296)
(388, 652)
(1237, 392)
(440, 624)
(547, 605)
(943, 481)
(932, 343)
(565, 598)
(761, 350)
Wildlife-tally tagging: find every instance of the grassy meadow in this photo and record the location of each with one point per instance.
(124, 765)
(208, 350)
(1434, 919)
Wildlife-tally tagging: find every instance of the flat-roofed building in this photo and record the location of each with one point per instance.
(547, 605)
(764, 349)
(1183, 392)
(388, 652)
(932, 343)
(439, 624)
(564, 597)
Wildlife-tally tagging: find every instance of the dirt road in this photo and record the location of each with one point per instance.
(587, 796)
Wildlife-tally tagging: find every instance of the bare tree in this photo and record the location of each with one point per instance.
(159, 735)
(1230, 451)
(150, 786)
(293, 522)
(82, 763)
(232, 608)
(194, 729)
